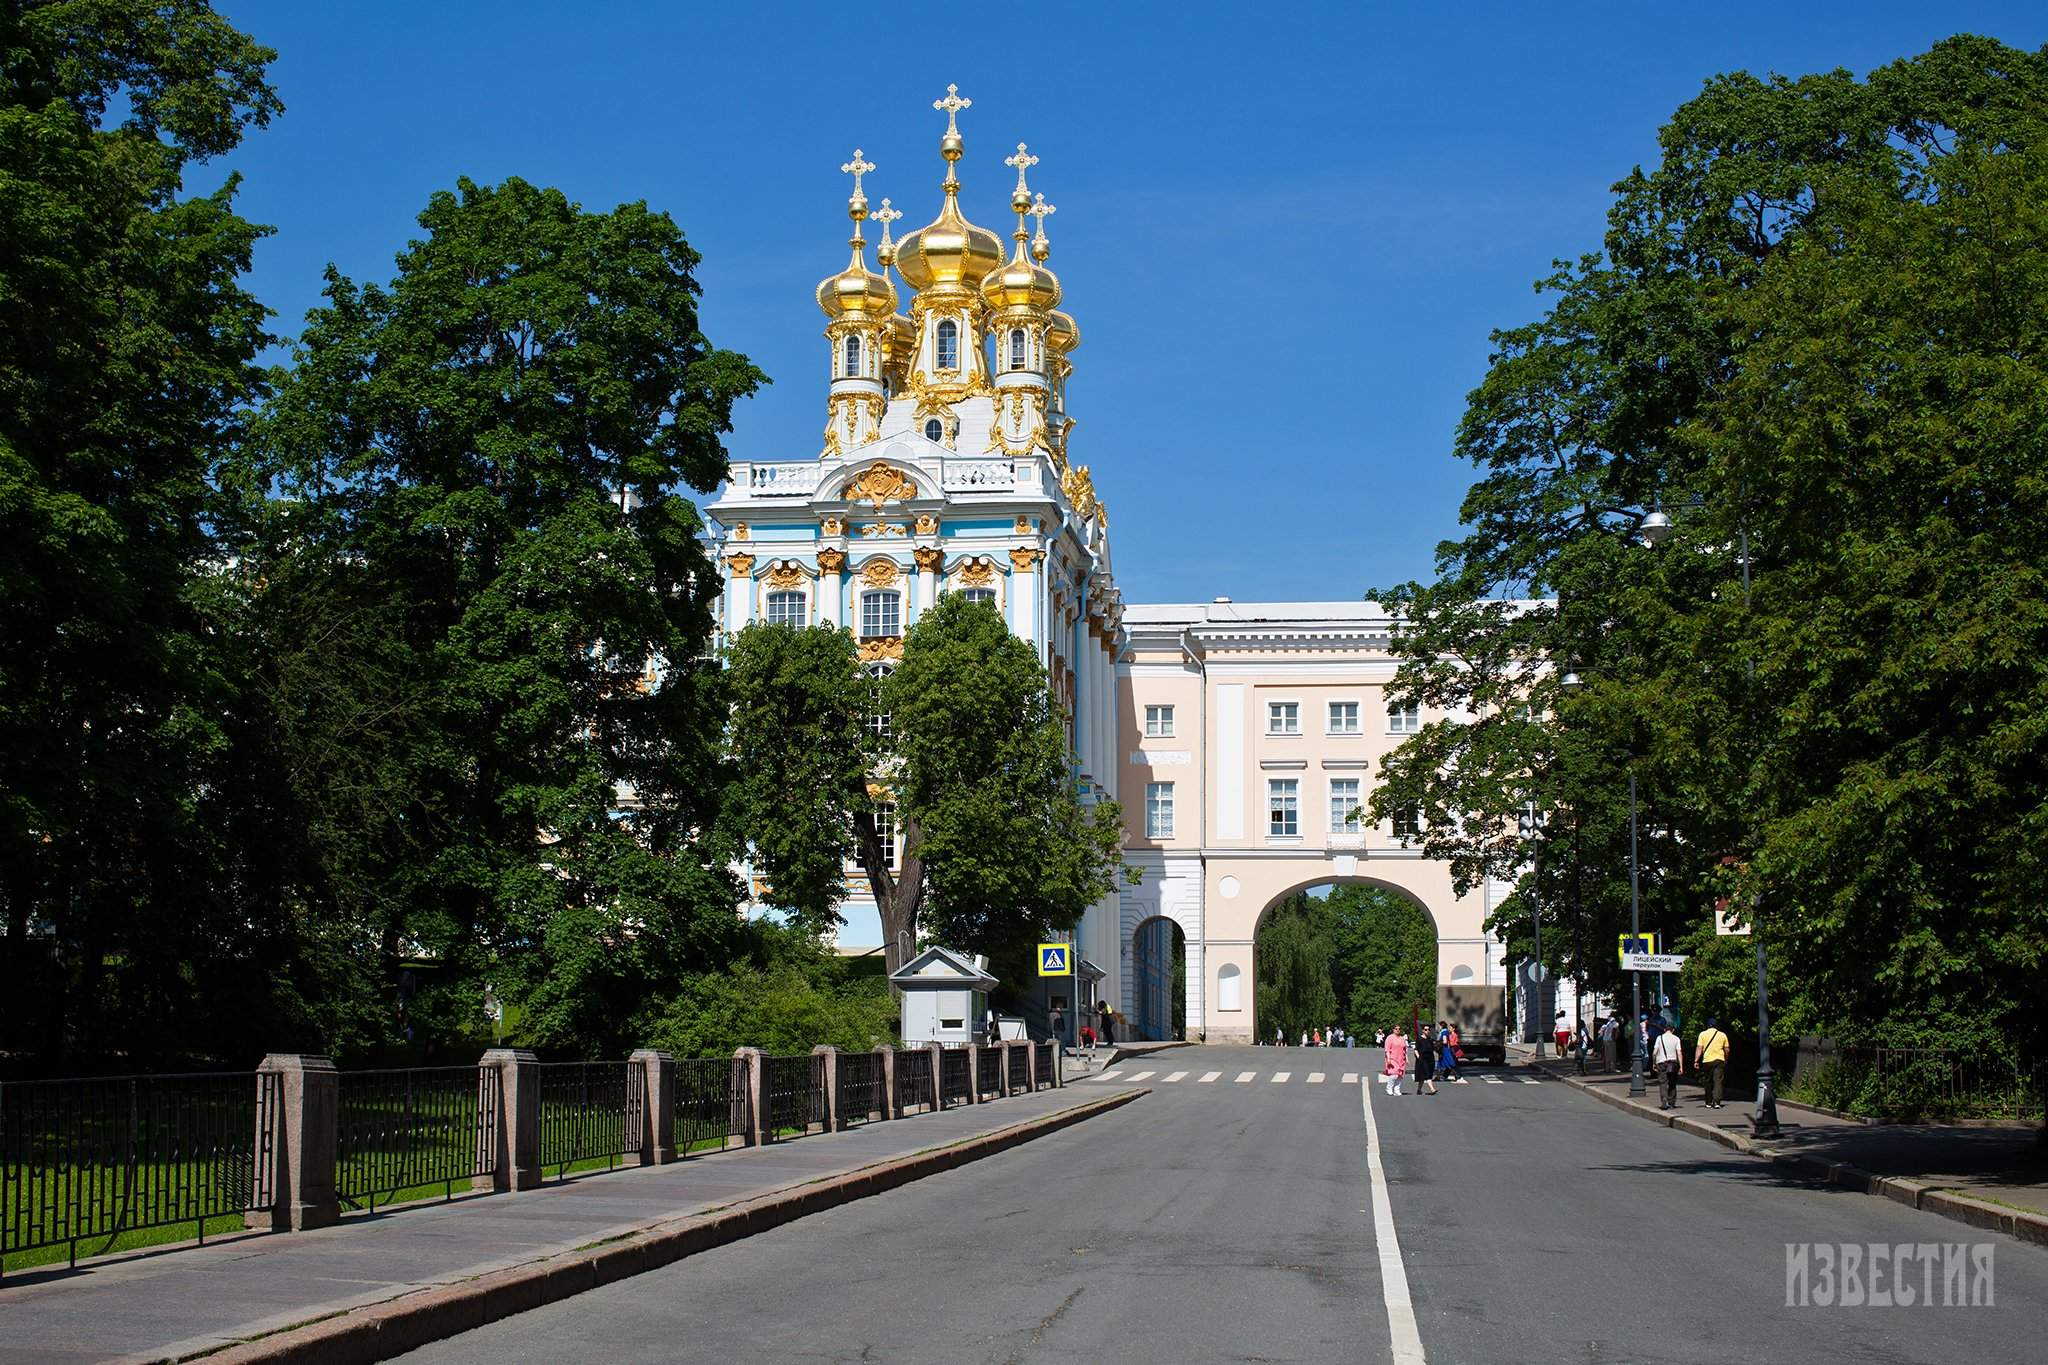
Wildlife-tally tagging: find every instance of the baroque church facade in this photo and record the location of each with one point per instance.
(944, 467)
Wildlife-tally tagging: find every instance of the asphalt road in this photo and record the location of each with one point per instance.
(1232, 1221)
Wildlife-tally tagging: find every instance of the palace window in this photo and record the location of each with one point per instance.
(875, 718)
(852, 369)
(1343, 717)
(1159, 722)
(1283, 807)
(786, 609)
(1017, 349)
(1408, 824)
(935, 430)
(949, 345)
(1158, 810)
(1404, 719)
(881, 615)
(1343, 801)
(1229, 987)
(987, 595)
(1283, 717)
(885, 830)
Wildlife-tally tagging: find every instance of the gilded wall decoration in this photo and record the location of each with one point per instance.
(881, 482)
(927, 524)
(740, 564)
(785, 577)
(978, 572)
(875, 530)
(1023, 526)
(832, 526)
(877, 651)
(739, 531)
(831, 561)
(928, 557)
(1025, 559)
(1079, 487)
(879, 573)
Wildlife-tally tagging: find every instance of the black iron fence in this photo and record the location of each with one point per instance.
(1020, 1068)
(988, 1071)
(401, 1132)
(793, 1093)
(860, 1087)
(590, 1112)
(953, 1077)
(1042, 1063)
(1934, 1083)
(714, 1103)
(914, 1081)
(98, 1160)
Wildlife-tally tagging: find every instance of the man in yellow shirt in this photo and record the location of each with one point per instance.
(1710, 1054)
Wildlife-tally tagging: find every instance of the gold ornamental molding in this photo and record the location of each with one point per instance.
(739, 531)
(1079, 486)
(928, 557)
(831, 561)
(879, 573)
(927, 524)
(888, 649)
(1025, 559)
(881, 482)
(832, 526)
(785, 576)
(740, 564)
(875, 530)
(979, 572)
(1023, 527)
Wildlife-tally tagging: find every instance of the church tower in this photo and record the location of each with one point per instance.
(861, 305)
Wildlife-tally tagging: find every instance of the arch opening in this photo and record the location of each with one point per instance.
(1159, 980)
(1342, 953)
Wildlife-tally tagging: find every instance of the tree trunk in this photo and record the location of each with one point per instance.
(898, 893)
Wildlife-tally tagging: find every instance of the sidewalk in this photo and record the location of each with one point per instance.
(1985, 1176)
(424, 1271)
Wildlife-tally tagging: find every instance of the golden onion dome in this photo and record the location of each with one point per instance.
(949, 250)
(857, 289)
(1021, 283)
(1064, 334)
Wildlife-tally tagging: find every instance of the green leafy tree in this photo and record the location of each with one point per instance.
(127, 348)
(998, 849)
(1812, 336)
(490, 456)
(1384, 961)
(1294, 951)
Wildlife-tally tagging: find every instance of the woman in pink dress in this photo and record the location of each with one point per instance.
(1397, 1060)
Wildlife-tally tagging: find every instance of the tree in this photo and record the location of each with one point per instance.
(1385, 958)
(488, 457)
(1812, 337)
(127, 350)
(1295, 946)
(998, 849)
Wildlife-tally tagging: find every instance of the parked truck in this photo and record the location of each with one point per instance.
(1480, 1015)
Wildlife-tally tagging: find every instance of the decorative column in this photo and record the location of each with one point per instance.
(930, 561)
(1024, 591)
(305, 1127)
(739, 606)
(518, 1157)
(831, 581)
(657, 1106)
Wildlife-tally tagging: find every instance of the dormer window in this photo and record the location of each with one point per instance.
(949, 345)
(852, 369)
(1017, 349)
(935, 431)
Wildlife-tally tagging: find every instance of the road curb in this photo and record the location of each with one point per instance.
(388, 1329)
(1913, 1193)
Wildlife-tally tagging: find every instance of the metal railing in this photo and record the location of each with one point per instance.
(1020, 1068)
(400, 1132)
(914, 1080)
(953, 1076)
(92, 1160)
(793, 1093)
(860, 1087)
(590, 1111)
(714, 1103)
(988, 1070)
(1043, 1063)
(1898, 1082)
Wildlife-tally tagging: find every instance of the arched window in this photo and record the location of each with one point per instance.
(1229, 985)
(1460, 975)
(852, 370)
(935, 430)
(949, 345)
(881, 615)
(1017, 348)
(785, 609)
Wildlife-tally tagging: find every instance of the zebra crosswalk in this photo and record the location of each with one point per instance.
(1277, 1078)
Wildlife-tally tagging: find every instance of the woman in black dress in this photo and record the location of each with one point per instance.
(1425, 1063)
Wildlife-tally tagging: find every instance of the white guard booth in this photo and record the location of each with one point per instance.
(945, 997)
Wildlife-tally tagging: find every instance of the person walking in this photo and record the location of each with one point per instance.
(1279, 1038)
(1668, 1056)
(1561, 1030)
(1425, 1061)
(1059, 1024)
(1447, 1055)
(1710, 1057)
(1396, 1067)
(1610, 1041)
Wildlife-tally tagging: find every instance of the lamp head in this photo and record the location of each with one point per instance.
(1655, 529)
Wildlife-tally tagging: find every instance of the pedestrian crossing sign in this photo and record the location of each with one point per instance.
(1055, 959)
(1638, 943)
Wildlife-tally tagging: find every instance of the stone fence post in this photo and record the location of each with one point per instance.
(1030, 1065)
(657, 1105)
(885, 1062)
(833, 1120)
(306, 1128)
(938, 1095)
(518, 1157)
(750, 1057)
(973, 1074)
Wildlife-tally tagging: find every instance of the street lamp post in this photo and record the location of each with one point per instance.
(1635, 929)
(1655, 529)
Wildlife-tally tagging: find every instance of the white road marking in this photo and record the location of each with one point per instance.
(1243, 1076)
(1208, 1076)
(1142, 1075)
(1350, 1078)
(1176, 1076)
(1280, 1076)
(1315, 1078)
(1109, 1075)
(1406, 1339)
(1528, 1080)
(1495, 1080)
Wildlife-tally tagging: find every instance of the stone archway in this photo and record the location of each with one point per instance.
(1400, 989)
(1158, 992)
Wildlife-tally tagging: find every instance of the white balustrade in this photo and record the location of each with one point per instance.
(782, 480)
(980, 475)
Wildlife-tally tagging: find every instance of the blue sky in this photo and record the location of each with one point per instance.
(1285, 231)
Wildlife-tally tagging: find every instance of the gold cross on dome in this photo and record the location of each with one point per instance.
(857, 168)
(952, 104)
(1040, 248)
(885, 216)
(1023, 161)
